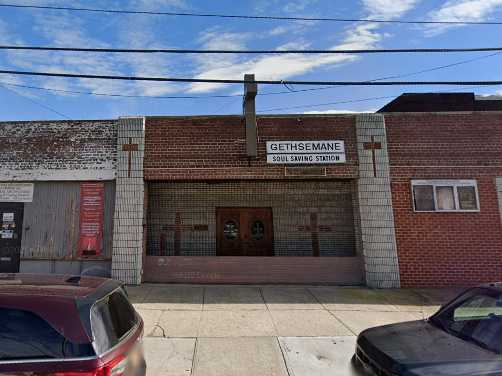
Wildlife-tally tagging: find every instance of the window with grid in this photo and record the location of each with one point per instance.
(445, 195)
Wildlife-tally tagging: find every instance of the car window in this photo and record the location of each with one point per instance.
(476, 318)
(111, 319)
(25, 335)
(478, 307)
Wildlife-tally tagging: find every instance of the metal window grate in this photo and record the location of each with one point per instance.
(183, 215)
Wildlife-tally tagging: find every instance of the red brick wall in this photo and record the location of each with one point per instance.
(204, 148)
(440, 249)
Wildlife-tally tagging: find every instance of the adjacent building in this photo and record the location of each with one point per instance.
(57, 195)
(408, 196)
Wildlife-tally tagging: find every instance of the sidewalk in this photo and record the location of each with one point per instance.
(267, 330)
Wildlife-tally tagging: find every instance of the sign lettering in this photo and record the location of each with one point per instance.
(16, 192)
(92, 197)
(305, 152)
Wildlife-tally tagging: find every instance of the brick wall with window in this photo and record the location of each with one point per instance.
(444, 169)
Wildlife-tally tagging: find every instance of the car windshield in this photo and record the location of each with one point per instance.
(25, 335)
(476, 317)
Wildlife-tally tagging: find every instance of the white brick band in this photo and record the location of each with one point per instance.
(129, 202)
(498, 182)
(375, 203)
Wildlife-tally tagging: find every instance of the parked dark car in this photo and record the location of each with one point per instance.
(68, 326)
(463, 338)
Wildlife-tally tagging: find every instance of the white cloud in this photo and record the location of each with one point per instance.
(157, 65)
(215, 38)
(279, 30)
(388, 9)
(364, 35)
(280, 6)
(462, 10)
(268, 68)
(298, 5)
(292, 28)
(6, 35)
(158, 4)
(65, 29)
(299, 44)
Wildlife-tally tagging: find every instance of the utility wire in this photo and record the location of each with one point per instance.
(427, 70)
(275, 52)
(249, 17)
(327, 103)
(120, 95)
(289, 91)
(339, 102)
(262, 82)
(36, 103)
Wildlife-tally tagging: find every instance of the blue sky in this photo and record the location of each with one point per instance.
(64, 28)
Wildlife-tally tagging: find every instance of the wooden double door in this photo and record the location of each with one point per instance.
(244, 232)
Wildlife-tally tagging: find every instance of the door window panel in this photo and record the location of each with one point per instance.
(231, 230)
(257, 230)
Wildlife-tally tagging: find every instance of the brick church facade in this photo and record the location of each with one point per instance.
(409, 196)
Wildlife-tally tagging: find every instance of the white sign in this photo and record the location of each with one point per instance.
(305, 152)
(8, 217)
(16, 192)
(7, 234)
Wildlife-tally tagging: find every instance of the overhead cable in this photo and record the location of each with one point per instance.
(251, 17)
(262, 82)
(275, 52)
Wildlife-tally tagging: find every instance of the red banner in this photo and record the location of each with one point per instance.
(92, 199)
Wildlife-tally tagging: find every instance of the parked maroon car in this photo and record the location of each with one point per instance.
(62, 325)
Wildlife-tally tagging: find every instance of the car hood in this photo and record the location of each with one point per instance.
(420, 348)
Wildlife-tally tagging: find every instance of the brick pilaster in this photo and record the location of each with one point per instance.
(129, 202)
(375, 203)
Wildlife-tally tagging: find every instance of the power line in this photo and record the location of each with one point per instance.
(262, 82)
(120, 95)
(275, 52)
(37, 103)
(427, 70)
(249, 17)
(339, 102)
(327, 103)
(289, 91)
